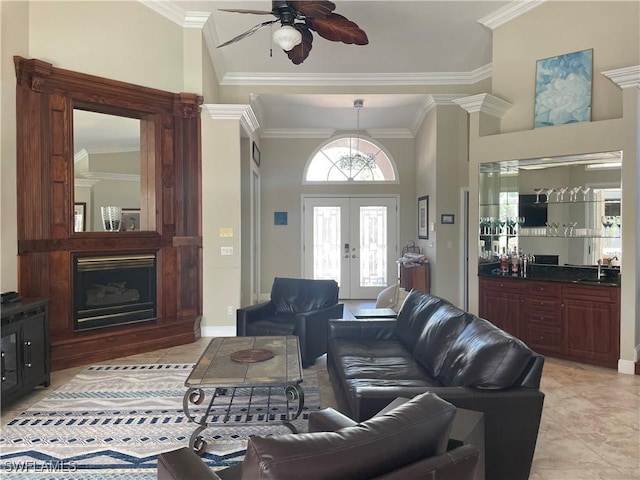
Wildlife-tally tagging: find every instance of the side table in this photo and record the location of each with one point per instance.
(468, 428)
(374, 313)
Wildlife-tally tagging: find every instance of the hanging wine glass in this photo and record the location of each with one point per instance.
(573, 193)
(618, 221)
(548, 192)
(538, 191)
(511, 223)
(561, 192)
(502, 221)
(572, 226)
(585, 193)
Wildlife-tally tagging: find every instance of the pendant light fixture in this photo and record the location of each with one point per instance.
(355, 162)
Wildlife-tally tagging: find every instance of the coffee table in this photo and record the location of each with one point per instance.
(268, 367)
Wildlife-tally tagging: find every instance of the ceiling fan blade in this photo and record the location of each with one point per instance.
(247, 33)
(337, 28)
(244, 10)
(300, 52)
(313, 9)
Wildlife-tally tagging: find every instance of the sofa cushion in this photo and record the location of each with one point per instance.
(414, 314)
(417, 429)
(437, 336)
(294, 295)
(483, 356)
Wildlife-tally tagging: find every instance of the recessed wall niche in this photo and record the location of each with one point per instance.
(169, 185)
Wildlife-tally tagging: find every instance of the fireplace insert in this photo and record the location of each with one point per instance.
(113, 290)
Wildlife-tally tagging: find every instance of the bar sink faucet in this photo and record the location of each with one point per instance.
(601, 274)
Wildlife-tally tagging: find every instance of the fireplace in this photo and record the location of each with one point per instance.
(113, 290)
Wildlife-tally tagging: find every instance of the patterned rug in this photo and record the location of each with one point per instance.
(114, 421)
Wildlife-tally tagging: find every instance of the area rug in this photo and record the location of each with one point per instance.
(112, 421)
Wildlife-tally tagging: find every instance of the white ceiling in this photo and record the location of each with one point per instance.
(411, 44)
(419, 42)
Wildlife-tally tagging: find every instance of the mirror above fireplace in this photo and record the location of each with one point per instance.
(106, 167)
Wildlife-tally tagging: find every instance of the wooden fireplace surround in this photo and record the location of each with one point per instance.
(170, 207)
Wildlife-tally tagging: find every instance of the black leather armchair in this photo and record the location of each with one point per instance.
(408, 442)
(298, 306)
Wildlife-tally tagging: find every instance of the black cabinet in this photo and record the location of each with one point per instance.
(25, 348)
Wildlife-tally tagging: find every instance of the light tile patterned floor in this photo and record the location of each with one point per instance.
(590, 427)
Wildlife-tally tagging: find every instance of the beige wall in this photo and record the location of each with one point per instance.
(283, 163)
(615, 40)
(610, 28)
(14, 40)
(441, 173)
(120, 40)
(221, 200)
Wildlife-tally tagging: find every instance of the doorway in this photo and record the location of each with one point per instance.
(353, 240)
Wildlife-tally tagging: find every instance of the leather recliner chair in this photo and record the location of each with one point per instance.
(298, 306)
(406, 442)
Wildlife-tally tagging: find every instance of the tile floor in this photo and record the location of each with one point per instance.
(590, 425)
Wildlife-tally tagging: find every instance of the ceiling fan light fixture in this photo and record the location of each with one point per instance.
(287, 37)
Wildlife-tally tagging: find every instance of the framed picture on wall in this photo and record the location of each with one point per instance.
(447, 218)
(130, 219)
(423, 217)
(80, 216)
(563, 89)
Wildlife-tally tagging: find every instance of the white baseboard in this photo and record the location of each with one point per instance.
(626, 366)
(227, 331)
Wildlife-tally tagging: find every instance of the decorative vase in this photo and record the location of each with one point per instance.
(111, 218)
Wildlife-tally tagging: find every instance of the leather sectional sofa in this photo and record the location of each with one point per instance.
(434, 346)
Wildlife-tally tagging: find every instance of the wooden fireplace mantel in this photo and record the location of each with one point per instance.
(170, 207)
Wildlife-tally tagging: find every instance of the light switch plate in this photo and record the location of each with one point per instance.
(226, 232)
(226, 251)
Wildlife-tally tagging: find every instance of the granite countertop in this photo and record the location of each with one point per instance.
(579, 275)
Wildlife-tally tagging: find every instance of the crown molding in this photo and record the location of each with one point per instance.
(366, 79)
(81, 155)
(390, 133)
(431, 102)
(624, 77)
(84, 182)
(484, 103)
(177, 15)
(243, 113)
(121, 177)
(509, 12)
(297, 133)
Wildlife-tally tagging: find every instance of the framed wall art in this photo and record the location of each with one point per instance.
(130, 219)
(447, 218)
(423, 217)
(80, 217)
(563, 89)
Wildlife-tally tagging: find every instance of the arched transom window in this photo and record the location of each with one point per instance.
(350, 159)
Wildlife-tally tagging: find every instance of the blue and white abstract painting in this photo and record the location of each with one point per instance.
(563, 89)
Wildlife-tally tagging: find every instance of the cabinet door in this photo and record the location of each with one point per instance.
(502, 309)
(591, 331)
(10, 359)
(34, 350)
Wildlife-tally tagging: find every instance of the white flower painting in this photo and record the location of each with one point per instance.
(563, 89)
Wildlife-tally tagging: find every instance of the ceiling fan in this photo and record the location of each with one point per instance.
(298, 19)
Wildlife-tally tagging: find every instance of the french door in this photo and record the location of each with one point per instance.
(352, 240)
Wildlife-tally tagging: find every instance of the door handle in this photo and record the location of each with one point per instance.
(27, 353)
(354, 256)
